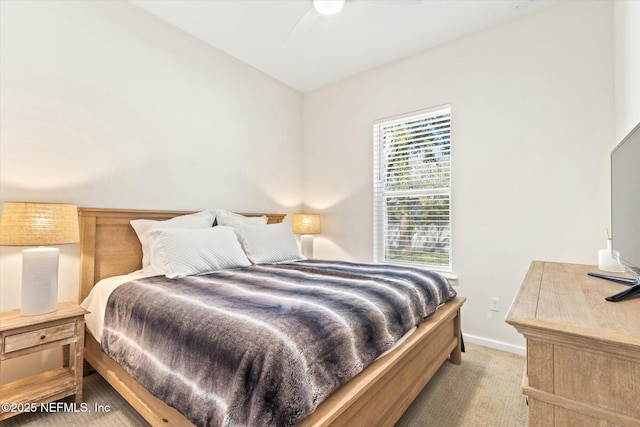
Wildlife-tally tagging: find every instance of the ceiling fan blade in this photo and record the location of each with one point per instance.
(304, 24)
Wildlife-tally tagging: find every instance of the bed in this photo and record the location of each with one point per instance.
(376, 396)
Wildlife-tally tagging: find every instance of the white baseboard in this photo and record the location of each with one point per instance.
(498, 345)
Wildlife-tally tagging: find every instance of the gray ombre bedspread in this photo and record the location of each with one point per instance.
(265, 344)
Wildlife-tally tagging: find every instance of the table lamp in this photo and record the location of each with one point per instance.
(307, 225)
(39, 224)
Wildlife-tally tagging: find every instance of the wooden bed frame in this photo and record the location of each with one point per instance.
(378, 396)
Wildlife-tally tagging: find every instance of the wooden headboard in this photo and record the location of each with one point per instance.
(109, 245)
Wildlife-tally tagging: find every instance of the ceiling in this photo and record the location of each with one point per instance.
(290, 41)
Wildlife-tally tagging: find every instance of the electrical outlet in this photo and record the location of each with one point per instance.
(494, 304)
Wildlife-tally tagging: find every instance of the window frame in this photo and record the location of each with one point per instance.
(381, 194)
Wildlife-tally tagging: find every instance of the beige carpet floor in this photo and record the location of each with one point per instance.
(484, 391)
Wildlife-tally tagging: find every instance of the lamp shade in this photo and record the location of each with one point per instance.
(306, 224)
(38, 224)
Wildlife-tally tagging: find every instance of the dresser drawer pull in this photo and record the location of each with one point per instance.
(42, 337)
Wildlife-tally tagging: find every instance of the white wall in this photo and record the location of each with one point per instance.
(627, 65)
(532, 126)
(104, 105)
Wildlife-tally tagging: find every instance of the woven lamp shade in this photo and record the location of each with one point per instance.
(38, 224)
(306, 224)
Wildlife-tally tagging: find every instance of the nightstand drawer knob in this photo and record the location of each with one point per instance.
(42, 337)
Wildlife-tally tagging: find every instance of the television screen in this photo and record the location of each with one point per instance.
(625, 200)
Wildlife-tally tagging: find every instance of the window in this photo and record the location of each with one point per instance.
(412, 189)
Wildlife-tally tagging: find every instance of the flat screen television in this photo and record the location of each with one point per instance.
(625, 201)
(625, 212)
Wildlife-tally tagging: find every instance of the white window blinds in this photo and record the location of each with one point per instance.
(412, 189)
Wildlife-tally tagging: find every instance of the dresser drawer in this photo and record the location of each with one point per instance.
(39, 336)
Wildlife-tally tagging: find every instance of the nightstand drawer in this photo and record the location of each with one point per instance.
(39, 336)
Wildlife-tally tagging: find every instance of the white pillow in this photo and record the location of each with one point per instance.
(180, 252)
(271, 243)
(234, 220)
(142, 227)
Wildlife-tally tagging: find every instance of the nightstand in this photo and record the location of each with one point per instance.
(22, 335)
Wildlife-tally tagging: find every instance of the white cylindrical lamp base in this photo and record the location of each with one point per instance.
(39, 281)
(306, 245)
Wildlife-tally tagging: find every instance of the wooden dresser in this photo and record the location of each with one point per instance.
(583, 353)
